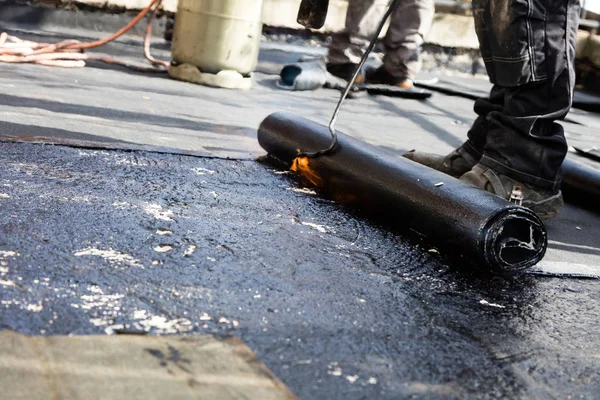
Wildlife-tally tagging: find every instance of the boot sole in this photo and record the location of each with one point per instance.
(548, 208)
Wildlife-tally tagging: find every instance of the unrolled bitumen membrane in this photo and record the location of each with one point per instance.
(455, 216)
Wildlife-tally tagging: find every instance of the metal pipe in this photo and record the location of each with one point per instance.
(450, 214)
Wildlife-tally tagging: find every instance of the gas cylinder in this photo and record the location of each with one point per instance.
(216, 42)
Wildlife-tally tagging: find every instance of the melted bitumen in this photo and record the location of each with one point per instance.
(132, 242)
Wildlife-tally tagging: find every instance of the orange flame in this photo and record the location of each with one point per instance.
(302, 166)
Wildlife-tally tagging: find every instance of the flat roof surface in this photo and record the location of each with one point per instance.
(162, 222)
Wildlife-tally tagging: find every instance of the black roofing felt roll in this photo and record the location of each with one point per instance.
(449, 213)
(581, 184)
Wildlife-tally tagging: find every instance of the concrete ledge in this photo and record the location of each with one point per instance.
(453, 31)
(588, 47)
(80, 24)
(587, 63)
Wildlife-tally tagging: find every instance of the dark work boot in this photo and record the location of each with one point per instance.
(380, 76)
(345, 72)
(545, 203)
(455, 164)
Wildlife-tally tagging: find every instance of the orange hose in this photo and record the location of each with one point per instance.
(118, 33)
(147, 40)
(69, 53)
(62, 63)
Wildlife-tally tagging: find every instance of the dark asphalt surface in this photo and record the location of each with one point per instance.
(97, 242)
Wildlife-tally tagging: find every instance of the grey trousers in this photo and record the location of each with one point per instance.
(529, 48)
(408, 25)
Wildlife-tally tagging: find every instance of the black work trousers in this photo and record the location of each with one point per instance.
(528, 47)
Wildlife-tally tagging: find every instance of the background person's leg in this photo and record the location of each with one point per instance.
(348, 45)
(409, 24)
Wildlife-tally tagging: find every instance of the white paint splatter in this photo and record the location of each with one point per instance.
(104, 301)
(161, 232)
(303, 190)
(95, 289)
(102, 308)
(205, 317)
(4, 196)
(157, 212)
(146, 321)
(203, 171)
(122, 205)
(320, 228)
(4, 254)
(351, 378)
(78, 199)
(486, 303)
(163, 248)
(372, 381)
(99, 321)
(140, 314)
(190, 250)
(334, 369)
(164, 326)
(7, 283)
(112, 256)
(35, 307)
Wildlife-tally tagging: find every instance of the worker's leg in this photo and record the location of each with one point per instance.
(348, 46)
(409, 24)
(463, 159)
(477, 135)
(529, 49)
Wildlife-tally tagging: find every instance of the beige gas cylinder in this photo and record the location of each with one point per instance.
(216, 42)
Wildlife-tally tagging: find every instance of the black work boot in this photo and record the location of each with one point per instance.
(345, 72)
(455, 164)
(545, 203)
(380, 76)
